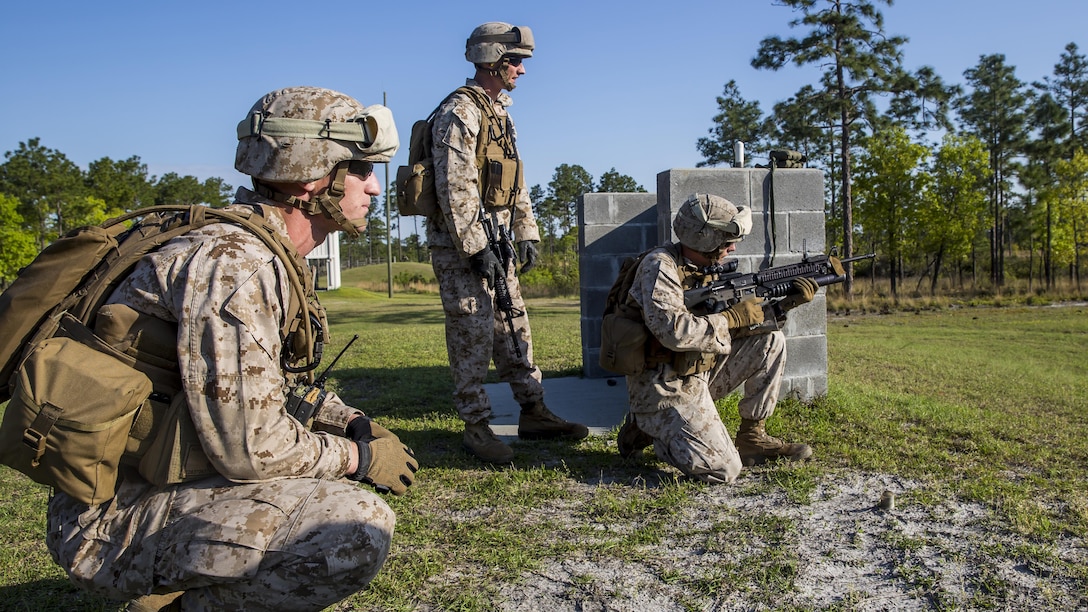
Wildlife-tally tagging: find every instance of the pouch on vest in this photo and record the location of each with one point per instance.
(152, 343)
(74, 401)
(690, 363)
(500, 177)
(175, 455)
(163, 443)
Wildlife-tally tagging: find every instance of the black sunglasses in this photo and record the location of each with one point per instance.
(361, 168)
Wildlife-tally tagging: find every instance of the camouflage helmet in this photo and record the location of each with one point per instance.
(707, 222)
(299, 134)
(492, 41)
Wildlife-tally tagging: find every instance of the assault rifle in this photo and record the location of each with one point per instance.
(729, 287)
(501, 244)
(306, 400)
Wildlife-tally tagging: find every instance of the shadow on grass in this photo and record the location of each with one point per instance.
(593, 461)
(52, 594)
(416, 316)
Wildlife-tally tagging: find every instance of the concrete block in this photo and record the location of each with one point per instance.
(617, 208)
(794, 189)
(806, 232)
(808, 320)
(806, 355)
(599, 272)
(603, 240)
(803, 388)
(677, 184)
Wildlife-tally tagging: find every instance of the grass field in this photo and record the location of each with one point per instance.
(961, 410)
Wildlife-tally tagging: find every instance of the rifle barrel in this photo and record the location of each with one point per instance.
(858, 258)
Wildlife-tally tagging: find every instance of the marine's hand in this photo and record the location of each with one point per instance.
(527, 254)
(713, 306)
(364, 429)
(384, 461)
(487, 265)
(391, 467)
(802, 291)
(744, 314)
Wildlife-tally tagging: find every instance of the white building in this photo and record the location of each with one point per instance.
(324, 260)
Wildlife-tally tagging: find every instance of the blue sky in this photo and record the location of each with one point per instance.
(624, 84)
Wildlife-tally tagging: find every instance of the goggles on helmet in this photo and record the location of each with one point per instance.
(373, 131)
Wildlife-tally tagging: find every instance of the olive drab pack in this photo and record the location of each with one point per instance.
(627, 346)
(93, 387)
(623, 331)
(416, 193)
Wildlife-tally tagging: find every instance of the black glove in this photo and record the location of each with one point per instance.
(384, 462)
(487, 265)
(527, 254)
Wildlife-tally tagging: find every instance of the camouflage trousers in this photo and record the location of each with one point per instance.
(680, 415)
(477, 333)
(290, 544)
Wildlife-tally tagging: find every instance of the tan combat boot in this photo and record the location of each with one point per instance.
(756, 447)
(631, 439)
(155, 603)
(485, 445)
(538, 423)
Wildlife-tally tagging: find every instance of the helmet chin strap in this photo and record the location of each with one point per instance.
(326, 203)
(499, 71)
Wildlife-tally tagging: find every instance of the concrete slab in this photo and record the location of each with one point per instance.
(598, 403)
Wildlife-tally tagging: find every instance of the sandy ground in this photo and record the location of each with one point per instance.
(850, 555)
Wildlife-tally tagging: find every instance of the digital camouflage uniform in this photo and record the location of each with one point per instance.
(476, 333)
(276, 528)
(678, 412)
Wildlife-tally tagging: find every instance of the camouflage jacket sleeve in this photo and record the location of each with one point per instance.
(225, 289)
(658, 292)
(456, 176)
(334, 415)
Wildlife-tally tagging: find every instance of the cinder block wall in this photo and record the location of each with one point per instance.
(614, 226)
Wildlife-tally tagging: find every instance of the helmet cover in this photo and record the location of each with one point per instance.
(299, 134)
(708, 222)
(492, 41)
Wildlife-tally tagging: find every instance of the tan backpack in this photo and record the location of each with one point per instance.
(416, 194)
(623, 331)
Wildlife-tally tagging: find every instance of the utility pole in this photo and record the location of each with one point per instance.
(388, 230)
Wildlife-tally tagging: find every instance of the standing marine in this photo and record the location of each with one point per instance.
(483, 226)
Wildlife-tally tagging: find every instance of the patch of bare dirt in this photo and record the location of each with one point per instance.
(849, 555)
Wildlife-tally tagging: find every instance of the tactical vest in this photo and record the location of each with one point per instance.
(497, 160)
